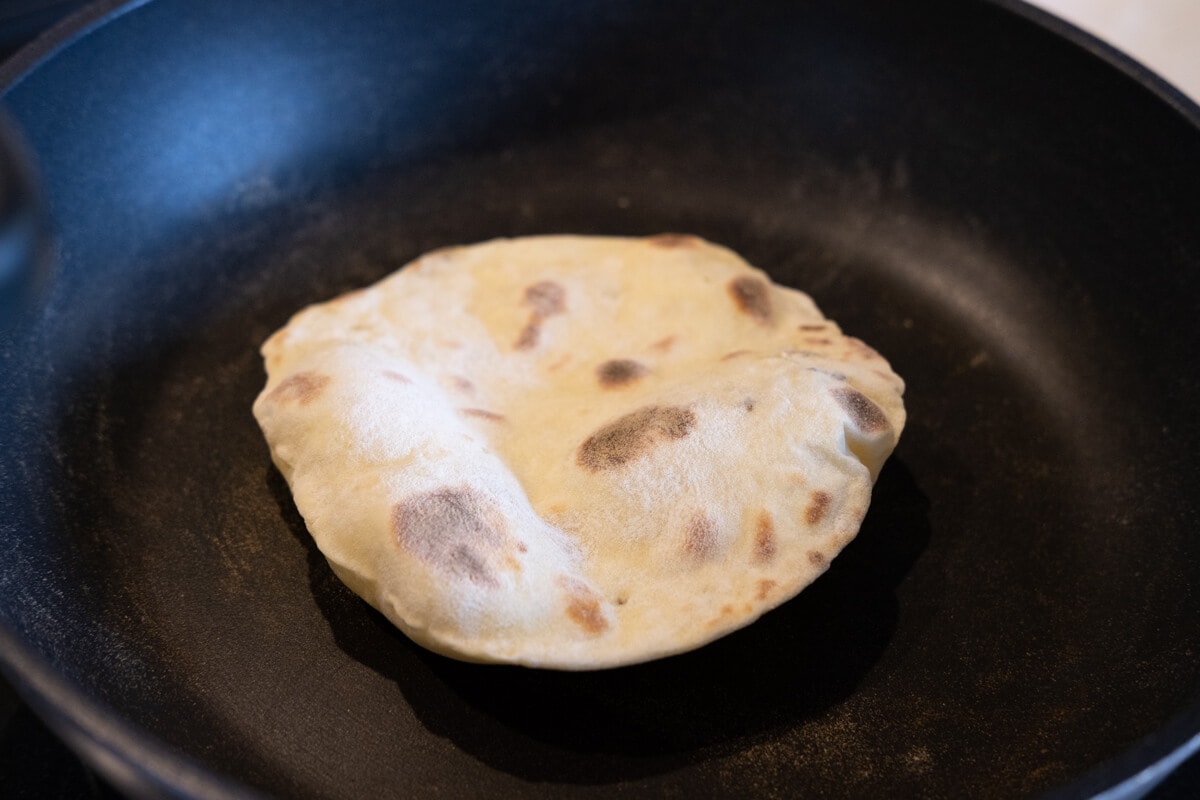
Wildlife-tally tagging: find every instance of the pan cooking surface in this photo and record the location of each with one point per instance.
(1016, 609)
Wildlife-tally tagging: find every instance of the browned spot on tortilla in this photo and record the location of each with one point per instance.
(528, 338)
(818, 341)
(863, 412)
(816, 558)
(664, 344)
(700, 538)
(620, 372)
(735, 354)
(462, 384)
(302, 388)
(752, 297)
(818, 504)
(672, 240)
(391, 374)
(819, 327)
(522, 547)
(456, 530)
(764, 538)
(764, 589)
(583, 607)
(634, 435)
(482, 413)
(748, 404)
(546, 298)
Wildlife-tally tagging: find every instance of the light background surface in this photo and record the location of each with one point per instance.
(1164, 35)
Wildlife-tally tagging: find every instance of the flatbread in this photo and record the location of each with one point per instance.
(577, 452)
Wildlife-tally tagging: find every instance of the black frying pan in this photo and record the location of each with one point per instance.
(1013, 221)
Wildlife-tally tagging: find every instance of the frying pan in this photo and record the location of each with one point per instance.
(1007, 210)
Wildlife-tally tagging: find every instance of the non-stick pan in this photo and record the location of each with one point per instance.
(1008, 211)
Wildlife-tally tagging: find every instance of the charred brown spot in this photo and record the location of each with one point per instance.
(764, 589)
(392, 375)
(634, 435)
(764, 538)
(818, 504)
(673, 240)
(663, 345)
(748, 404)
(586, 613)
(546, 298)
(583, 607)
(462, 384)
(752, 297)
(481, 413)
(816, 558)
(619, 372)
(700, 538)
(530, 334)
(818, 327)
(301, 388)
(735, 354)
(453, 529)
(865, 415)
(818, 341)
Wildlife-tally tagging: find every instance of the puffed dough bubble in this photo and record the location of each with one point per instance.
(577, 452)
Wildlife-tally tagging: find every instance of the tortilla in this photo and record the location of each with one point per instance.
(577, 452)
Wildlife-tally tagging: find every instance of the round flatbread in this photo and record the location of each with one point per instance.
(577, 452)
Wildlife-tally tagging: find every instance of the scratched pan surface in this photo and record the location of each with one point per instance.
(1011, 219)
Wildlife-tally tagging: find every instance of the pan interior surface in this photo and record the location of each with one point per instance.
(1009, 221)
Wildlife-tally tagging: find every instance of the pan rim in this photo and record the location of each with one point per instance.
(1097, 47)
(132, 759)
(135, 759)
